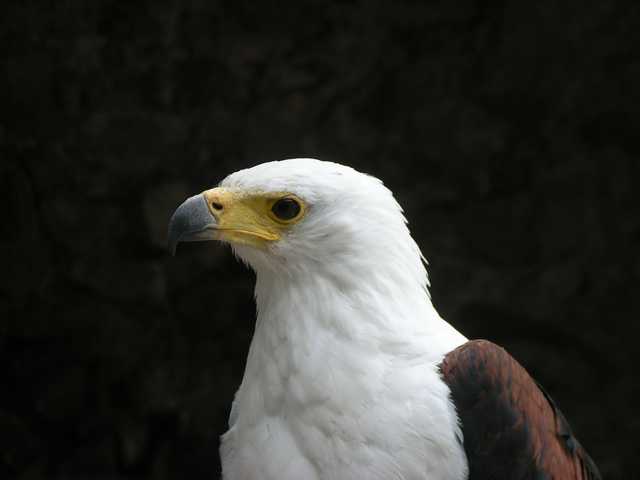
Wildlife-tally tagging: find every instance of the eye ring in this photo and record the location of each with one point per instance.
(286, 209)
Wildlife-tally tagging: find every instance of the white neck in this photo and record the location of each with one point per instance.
(330, 352)
(384, 310)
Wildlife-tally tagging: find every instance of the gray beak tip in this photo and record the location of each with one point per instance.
(191, 222)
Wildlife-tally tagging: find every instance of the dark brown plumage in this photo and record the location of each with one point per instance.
(512, 429)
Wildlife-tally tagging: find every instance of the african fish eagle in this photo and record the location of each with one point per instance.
(351, 373)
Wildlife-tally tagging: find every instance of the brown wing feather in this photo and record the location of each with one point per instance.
(512, 428)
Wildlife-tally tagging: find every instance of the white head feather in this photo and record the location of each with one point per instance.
(354, 228)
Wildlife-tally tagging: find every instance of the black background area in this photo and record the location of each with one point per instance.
(507, 130)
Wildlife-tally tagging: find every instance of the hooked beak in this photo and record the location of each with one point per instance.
(191, 222)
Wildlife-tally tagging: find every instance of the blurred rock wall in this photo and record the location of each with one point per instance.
(508, 130)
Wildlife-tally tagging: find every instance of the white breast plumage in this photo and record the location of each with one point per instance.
(323, 400)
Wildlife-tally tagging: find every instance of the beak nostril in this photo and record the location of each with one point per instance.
(216, 205)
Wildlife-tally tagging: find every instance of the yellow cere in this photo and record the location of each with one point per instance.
(247, 217)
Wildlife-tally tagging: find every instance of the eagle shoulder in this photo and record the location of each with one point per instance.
(512, 428)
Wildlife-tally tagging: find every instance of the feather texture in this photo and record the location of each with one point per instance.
(512, 428)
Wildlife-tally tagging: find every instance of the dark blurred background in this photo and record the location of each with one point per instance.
(508, 130)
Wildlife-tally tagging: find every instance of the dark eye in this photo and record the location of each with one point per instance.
(286, 208)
